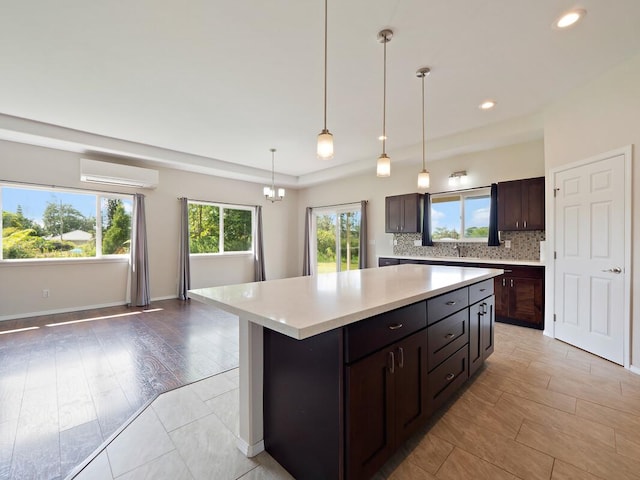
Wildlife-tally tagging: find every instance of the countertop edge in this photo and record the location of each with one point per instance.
(462, 260)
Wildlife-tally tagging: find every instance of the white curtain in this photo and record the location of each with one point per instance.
(139, 263)
(258, 262)
(362, 261)
(184, 266)
(306, 261)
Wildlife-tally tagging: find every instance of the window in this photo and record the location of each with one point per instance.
(337, 236)
(40, 223)
(462, 216)
(216, 228)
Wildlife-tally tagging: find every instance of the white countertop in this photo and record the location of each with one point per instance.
(301, 307)
(489, 261)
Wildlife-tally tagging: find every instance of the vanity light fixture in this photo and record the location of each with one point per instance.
(271, 193)
(383, 167)
(569, 18)
(325, 138)
(457, 179)
(487, 104)
(423, 176)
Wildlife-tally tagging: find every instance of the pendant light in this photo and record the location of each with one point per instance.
(383, 167)
(423, 176)
(325, 139)
(271, 193)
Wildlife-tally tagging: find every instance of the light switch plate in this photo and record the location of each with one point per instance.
(507, 244)
(417, 243)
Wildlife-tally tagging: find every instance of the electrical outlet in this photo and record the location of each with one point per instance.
(417, 243)
(45, 293)
(395, 242)
(507, 244)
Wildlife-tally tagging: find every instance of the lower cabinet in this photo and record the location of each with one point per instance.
(520, 296)
(339, 404)
(385, 395)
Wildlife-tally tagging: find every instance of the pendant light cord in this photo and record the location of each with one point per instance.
(273, 182)
(423, 134)
(325, 64)
(384, 98)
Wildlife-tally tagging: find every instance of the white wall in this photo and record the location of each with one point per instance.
(512, 162)
(85, 284)
(596, 118)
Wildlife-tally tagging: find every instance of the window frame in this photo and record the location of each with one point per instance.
(462, 195)
(99, 195)
(227, 206)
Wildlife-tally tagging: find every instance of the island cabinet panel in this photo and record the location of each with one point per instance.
(386, 396)
(481, 328)
(445, 379)
(444, 305)
(447, 337)
(303, 407)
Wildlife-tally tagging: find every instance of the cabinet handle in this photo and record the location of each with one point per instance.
(508, 271)
(484, 308)
(401, 357)
(512, 283)
(517, 222)
(503, 282)
(449, 335)
(525, 224)
(450, 377)
(392, 363)
(395, 326)
(450, 302)
(482, 289)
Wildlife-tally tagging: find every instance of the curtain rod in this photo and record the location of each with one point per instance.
(459, 191)
(33, 184)
(219, 203)
(340, 204)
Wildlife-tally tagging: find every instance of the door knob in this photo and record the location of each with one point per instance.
(614, 270)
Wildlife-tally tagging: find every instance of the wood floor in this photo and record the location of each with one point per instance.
(65, 388)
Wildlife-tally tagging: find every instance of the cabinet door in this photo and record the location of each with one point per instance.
(501, 290)
(525, 299)
(393, 214)
(410, 385)
(487, 326)
(475, 337)
(510, 205)
(411, 213)
(370, 413)
(533, 204)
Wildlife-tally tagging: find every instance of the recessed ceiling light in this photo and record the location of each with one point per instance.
(569, 18)
(487, 105)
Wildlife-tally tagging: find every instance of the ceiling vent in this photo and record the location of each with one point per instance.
(115, 174)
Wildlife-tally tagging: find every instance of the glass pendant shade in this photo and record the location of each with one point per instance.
(281, 192)
(423, 179)
(383, 167)
(325, 145)
(270, 192)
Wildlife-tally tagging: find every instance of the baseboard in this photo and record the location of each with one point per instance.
(634, 369)
(250, 450)
(81, 308)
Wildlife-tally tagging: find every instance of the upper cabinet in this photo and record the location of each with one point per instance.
(402, 213)
(521, 204)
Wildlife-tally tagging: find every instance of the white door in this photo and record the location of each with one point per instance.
(590, 257)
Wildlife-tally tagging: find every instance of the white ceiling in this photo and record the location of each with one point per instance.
(224, 81)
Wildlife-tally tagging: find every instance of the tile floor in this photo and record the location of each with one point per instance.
(539, 409)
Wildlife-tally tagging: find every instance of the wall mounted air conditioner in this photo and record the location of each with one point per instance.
(115, 174)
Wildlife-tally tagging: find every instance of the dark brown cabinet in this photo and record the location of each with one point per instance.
(481, 333)
(384, 261)
(519, 296)
(386, 394)
(521, 204)
(402, 213)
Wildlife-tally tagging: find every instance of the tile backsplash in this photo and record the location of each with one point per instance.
(524, 246)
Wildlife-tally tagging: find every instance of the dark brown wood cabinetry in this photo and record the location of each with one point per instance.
(481, 325)
(402, 213)
(521, 204)
(338, 405)
(520, 296)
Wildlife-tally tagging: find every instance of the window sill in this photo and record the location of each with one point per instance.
(28, 262)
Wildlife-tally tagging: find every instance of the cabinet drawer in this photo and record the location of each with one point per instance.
(369, 335)
(480, 290)
(445, 305)
(447, 336)
(447, 378)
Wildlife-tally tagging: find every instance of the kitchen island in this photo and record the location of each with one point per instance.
(321, 355)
